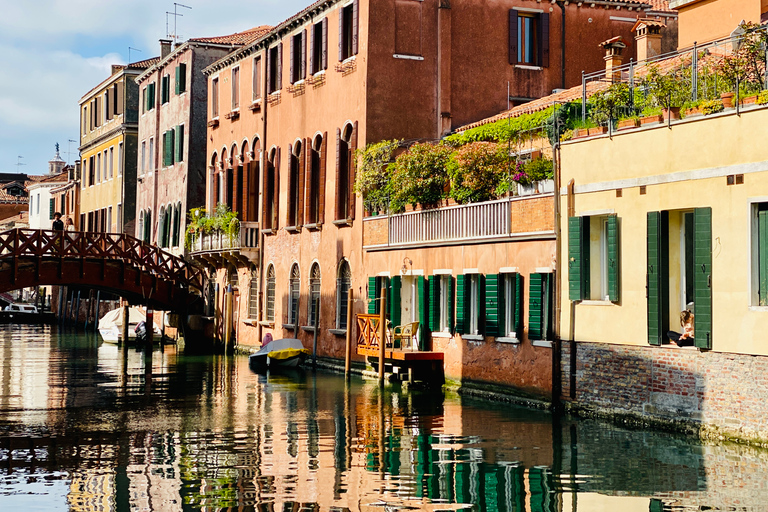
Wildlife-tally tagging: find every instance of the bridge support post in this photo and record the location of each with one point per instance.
(96, 312)
(382, 333)
(126, 317)
(216, 315)
(77, 309)
(59, 308)
(228, 317)
(150, 325)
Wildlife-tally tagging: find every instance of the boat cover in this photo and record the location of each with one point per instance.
(285, 348)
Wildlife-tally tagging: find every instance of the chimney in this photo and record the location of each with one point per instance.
(165, 48)
(648, 36)
(613, 48)
(116, 68)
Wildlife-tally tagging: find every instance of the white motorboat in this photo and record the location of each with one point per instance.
(111, 324)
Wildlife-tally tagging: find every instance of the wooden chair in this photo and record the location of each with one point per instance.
(403, 334)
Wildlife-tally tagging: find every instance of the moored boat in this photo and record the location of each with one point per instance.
(282, 353)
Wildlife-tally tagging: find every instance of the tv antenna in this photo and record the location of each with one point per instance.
(69, 149)
(19, 163)
(129, 53)
(176, 16)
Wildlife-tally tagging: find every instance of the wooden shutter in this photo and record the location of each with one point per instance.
(578, 258)
(311, 54)
(179, 136)
(372, 292)
(543, 40)
(177, 80)
(119, 100)
(269, 71)
(321, 192)
(324, 50)
(307, 181)
(355, 25)
(536, 307)
(461, 305)
(341, 34)
(51, 206)
(518, 310)
(613, 258)
(300, 185)
(762, 249)
(303, 70)
(264, 164)
(339, 199)
(657, 279)
(512, 36)
(290, 60)
(702, 281)
(107, 105)
(279, 66)
(276, 192)
(394, 299)
(423, 292)
(352, 161)
(434, 303)
(493, 325)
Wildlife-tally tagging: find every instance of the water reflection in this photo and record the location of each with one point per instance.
(90, 426)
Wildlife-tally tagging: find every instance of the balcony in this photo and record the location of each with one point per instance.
(503, 219)
(210, 248)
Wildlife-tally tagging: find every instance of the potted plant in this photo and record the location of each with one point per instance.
(629, 122)
(419, 176)
(650, 115)
(711, 107)
(762, 98)
(667, 92)
(607, 105)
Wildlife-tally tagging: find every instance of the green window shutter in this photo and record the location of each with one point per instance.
(50, 209)
(179, 145)
(578, 258)
(450, 301)
(177, 80)
(535, 308)
(502, 308)
(492, 288)
(421, 289)
(372, 295)
(657, 277)
(151, 96)
(613, 258)
(434, 303)
(395, 287)
(461, 305)
(702, 281)
(762, 249)
(519, 305)
(481, 304)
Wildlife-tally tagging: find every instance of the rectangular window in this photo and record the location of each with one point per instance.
(165, 89)
(269, 308)
(298, 57)
(91, 171)
(98, 168)
(215, 98)
(111, 162)
(150, 97)
(760, 254)
(181, 79)
(85, 120)
(143, 156)
(441, 301)
(293, 301)
(151, 157)
(469, 304)
(374, 295)
(318, 56)
(528, 38)
(51, 208)
(109, 219)
(37, 211)
(593, 258)
(540, 306)
(235, 88)
(348, 31)
(256, 79)
(179, 143)
(253, 296)
(107, 105)
(119, 218)
(120, 158)
(274, 67)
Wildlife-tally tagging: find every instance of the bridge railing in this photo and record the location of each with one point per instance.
(106, 246)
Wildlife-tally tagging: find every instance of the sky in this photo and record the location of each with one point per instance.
(54, 51)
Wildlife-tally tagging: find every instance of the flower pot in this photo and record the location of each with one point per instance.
(526, 190)
(580, 132)
(650, 120)
(727, 99)
(670, 113)
(625, 124)
(693, 112)
(599, 130)
(749, 100)
(544, 186)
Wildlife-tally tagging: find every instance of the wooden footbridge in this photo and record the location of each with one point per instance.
(115, 262)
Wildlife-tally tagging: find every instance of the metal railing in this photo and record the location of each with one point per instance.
(462, 222)
(246, 238)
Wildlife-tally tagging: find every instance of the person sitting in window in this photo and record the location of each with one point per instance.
(686, 338)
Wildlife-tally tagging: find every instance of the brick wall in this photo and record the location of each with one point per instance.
(533, 214)
(375, 231)
(705, 391)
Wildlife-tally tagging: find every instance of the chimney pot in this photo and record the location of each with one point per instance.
(165, 48)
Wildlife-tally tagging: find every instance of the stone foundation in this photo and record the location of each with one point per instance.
(711, 394)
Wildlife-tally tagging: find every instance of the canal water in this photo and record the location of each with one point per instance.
(88, 426)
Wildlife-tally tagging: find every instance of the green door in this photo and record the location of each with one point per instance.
(657, 276)
(702, 280)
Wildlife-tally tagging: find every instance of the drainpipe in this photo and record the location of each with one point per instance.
(260, 211)
(561, 5)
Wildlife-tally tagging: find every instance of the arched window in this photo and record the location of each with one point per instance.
(295, 185)
(343, 282)
(314, 294)
(269, 307)
(316, 169)
(346, 142)
(176, 224)
(213, 181)
(253, 295)
(148, 226)
(271, 190)
(294, 288)
(167, 225)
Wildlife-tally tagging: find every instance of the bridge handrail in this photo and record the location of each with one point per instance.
(94, 245)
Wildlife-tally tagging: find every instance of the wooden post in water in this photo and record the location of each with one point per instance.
(126, 319)
(314, 332)
(382, 332)
(216, 315)
(96, 313)
(228, 316)
(150, 325)
(350, 316)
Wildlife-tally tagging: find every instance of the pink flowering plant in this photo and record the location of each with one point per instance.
(476, 170)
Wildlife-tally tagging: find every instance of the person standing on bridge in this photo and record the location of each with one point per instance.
(58, 225)
(69, 225)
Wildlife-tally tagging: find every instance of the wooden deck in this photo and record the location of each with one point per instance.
(400, 355)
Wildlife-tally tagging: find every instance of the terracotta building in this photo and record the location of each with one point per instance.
(109, 116)
(287, 112)
(171, 149)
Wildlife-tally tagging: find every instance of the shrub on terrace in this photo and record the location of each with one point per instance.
(419, 176)
(476, 170)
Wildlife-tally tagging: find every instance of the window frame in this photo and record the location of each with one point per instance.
(343, 285)
(269, 294)
(235, 82)
(256, 79)
(294, 295)
(313, 304)
(215, 97)
(758, 276)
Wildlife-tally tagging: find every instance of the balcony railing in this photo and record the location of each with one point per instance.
(246, 239)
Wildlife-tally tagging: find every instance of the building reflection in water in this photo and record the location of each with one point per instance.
(172, 432)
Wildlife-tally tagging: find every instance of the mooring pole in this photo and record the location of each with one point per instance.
(77, 309)
(126, 317)
(348, 352)
(382, 332)
(150, 326)
(314, 333)
(96, 312)
(216, 313)
(59, 307)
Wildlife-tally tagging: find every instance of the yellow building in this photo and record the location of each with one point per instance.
(108, 141)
